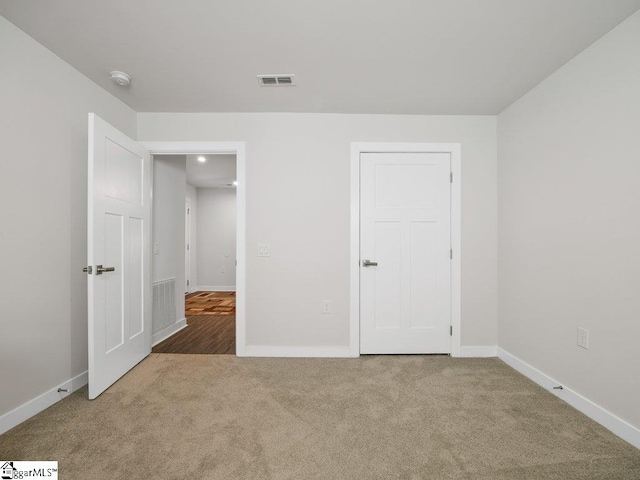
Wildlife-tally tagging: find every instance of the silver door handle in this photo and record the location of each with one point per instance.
(368, 263)
(100, 269)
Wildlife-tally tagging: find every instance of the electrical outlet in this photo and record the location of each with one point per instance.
(223, 270)
(583, 337)
(326, 306)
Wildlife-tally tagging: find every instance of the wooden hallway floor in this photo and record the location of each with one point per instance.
(210, 303)
(211, 326)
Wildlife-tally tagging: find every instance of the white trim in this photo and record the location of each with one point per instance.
(168, 331)
(36, 405)
(354, 254)
(214, 288)
(612, 422)
(297, 352)
(187, 267)
(479, 351)
(239, 150)
(188, 148)
(456, 245)
(456, 188)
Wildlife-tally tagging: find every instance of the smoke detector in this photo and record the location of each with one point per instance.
(121, 78)
(284, 80)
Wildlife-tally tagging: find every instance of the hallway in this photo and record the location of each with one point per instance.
(211, 326)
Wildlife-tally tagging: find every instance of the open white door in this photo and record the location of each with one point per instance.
(119, 266)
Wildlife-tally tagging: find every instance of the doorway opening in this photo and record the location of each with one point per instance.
(195, 237)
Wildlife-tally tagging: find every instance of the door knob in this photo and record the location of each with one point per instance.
(368, 263)
(100, 269)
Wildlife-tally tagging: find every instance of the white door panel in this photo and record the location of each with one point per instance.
(118, 229)
(387, 289)
(422, 283)
(136, 278)
(405, 300)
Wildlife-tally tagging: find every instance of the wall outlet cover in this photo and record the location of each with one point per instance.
(583, 337)
(326, 307)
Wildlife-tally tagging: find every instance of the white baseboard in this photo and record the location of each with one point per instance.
(299, 352)
(480, 351)
(620, 427)
(33, 407)
(215, 288)
(167, 332)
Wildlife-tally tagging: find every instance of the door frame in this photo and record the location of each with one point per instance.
(454, 149)
(187, 227)
(239, 150)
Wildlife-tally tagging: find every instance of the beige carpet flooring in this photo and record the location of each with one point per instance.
(376, 417)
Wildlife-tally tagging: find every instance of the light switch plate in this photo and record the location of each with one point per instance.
(263, 250)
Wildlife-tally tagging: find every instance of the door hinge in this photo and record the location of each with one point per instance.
(188, 211)
(451, 253)
(451, 330)
(187, 246)
(88, 270)
(187, 283)
(451, 177)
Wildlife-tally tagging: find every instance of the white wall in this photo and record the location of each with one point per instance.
(216, 239)
(569, 210)
(169, 191)
(44, 106)
(192, 196)
(298, 201)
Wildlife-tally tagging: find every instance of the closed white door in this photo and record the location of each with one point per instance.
(405, 246)
(119, 231)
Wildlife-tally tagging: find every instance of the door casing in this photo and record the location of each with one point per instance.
(454, 150)
(233, 148)
(187, 253)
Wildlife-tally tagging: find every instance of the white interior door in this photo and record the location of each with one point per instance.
(405, 245)
(119, 232)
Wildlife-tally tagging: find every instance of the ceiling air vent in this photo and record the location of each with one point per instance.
(276, 80)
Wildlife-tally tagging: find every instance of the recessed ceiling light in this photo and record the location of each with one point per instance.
(120, 78)
(202, 159)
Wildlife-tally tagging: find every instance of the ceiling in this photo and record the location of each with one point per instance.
(217, 171)
(349, 56)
